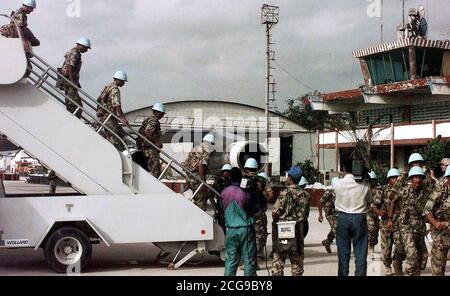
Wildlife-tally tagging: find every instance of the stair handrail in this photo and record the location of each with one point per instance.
(83, 117)
(131, 132)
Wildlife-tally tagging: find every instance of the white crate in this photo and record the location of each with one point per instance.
(286, 230)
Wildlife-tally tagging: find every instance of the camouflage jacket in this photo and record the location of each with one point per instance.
(442, 182)
(412, 206)
(291, 204)
(402, 181)
(221, 183)
(199, 155)
(9, 30)
(439, 206)
(110, 99)
(376, 192)
(327, 200)
(72, 58)
(384, 198)
(268, 192)
(256, 186)
(151, 129)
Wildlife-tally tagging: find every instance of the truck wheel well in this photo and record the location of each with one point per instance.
(80, 225)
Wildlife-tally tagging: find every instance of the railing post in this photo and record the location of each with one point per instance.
(197, 191)
(165, 170)
(104, 123)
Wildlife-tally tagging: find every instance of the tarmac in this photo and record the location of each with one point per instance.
(140, 260)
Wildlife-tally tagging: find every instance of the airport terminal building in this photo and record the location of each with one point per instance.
(187, 121)
(406, 93)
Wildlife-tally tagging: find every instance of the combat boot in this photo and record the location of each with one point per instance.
(388, 271)
(326, 243)
(398, 269)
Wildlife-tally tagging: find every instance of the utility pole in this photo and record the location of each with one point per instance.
(382, 23)
(269, 17)
(403, 6)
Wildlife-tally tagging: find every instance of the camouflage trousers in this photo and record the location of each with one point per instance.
(279, 260)
(332, 220)
(153, 162)
(373, 225)
(72, 93)
(261, 232)
(388, 241)
(52, 187)
(415, 248)
(114, 126)
(439, 253)
(201, 198)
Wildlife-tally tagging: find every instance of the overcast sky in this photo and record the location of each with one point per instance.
(215, 49)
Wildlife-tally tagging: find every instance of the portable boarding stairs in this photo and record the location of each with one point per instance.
(122, 203)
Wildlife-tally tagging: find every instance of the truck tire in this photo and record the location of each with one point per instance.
(66, 248)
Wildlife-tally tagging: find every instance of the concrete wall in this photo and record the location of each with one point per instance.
(304, 147)
(327, 159)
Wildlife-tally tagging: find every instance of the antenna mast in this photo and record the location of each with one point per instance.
(269, 17)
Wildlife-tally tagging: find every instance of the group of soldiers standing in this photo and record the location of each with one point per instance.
(292, 205)
(399, 212)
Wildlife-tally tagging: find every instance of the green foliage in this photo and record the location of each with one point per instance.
(381, 173)
(435, 151)
(309, 172)
(300, 111)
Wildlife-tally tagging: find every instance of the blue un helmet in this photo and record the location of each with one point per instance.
(333, 182)
(447, 172)
(85, 42)
(209, 138)
(295, 172)
(121, 75)
(227, 168)
(251, 163)
(159, 107)
(263, 175)
(29, 3)
(416, 171)
(373, 175)
(393, 173)
(304, 182)
(415, 157)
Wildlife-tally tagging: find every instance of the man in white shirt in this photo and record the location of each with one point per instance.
(352, 199)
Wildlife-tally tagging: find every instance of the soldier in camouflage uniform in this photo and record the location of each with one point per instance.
(223, 181)
(373, 222)
(110, 100)
(416, 160)
(412, 223)
(20, 19)
(197, 163)
(71, 70)
(327, 203)
(52, 182)
(444, 165)
(151, 129)
(290, 206)
(390, 233)
(437, 213)
(256, 186)
(264, 192)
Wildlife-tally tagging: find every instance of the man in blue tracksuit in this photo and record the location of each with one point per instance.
(240, 240)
